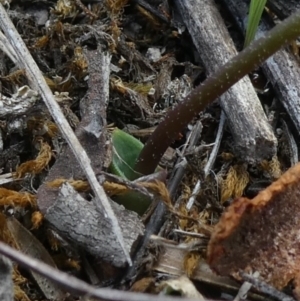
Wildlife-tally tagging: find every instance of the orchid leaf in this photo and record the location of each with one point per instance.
(126, 150)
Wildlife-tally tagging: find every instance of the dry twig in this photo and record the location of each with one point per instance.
(75, 285)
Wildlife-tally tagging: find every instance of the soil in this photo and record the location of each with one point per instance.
(122, 64)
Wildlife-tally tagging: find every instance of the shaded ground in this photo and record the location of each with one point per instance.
(153, 66)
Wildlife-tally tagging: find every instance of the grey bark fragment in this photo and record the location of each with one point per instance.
(19, 103)
(253, 136)
(79, 222)
(284, 8)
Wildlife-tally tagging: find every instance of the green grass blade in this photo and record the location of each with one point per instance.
(255, 12)
(126, 150)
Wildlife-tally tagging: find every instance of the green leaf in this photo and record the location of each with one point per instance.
(134, 201)
(255, 12)
(126, 150)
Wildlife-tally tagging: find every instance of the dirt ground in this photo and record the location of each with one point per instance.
(124, 64)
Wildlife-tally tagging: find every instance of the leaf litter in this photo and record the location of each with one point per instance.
(141, 89)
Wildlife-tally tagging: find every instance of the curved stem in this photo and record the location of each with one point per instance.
(213, 87)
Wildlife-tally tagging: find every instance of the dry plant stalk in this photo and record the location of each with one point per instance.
(235, 182)
(82, 186)
(36, 219)
(37, 165)
(190, 263)
(85, 9)
(272, 167)
(78, 185)
(14, 198)
(112, 188)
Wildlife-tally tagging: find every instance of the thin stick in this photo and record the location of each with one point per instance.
(74, 285)
(85, 9)
(7, 49)
(37, 80)
(266, 288)
(210, 163)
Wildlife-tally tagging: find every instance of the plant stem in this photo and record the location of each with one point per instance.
(213, 87)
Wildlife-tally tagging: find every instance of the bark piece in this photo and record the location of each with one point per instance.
(254, 139)
(282, 69)
(91, 131)
(261, 234)
(78, 220)
(284, 8)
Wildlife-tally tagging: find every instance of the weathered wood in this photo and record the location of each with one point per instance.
(253, 137)
(170, 260)
(78, 287)
(284, 8)
(79, 221)
(282, 69)
(91, 131)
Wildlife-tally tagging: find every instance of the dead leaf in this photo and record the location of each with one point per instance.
(29, 245)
